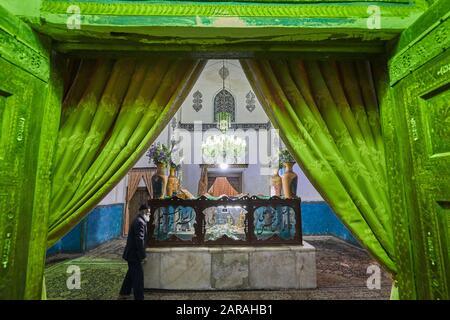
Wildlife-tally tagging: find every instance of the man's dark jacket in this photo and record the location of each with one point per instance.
(136, 241)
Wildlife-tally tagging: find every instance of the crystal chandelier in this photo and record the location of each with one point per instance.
(224, 149)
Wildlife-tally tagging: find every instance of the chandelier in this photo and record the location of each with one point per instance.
(224, 149)
(223, 118)
(223, 121)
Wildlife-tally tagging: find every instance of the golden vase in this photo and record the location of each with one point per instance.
(159, 181)
(172, 183)
(275, 184)
(289, 181)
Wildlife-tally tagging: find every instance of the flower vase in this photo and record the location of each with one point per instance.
(289, 181)
(172, 183)
(159, 181)
(275, 184)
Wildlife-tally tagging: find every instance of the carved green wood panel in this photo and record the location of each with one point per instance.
(424, 97)
(399, 177)
(21, 96)
(29, 120)
(417, 148)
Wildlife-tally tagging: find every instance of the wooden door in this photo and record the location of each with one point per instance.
(426, 97)
(29, 119)
(140, 197)
(21, 98)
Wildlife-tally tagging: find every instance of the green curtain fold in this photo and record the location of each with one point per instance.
(112, 112)
(328, 116)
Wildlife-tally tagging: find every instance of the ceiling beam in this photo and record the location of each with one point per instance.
(208, 26)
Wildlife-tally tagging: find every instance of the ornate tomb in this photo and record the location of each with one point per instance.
(228, 243)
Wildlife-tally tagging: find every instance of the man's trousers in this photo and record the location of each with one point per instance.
(134, 280)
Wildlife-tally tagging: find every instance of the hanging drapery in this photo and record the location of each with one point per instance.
(147, 176)
(134, 178)
(203, 181)
(222, 186)
(235, 183)
(113, 110)
(327, 114)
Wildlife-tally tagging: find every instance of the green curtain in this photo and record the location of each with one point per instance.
(328, 116)
(112, 111)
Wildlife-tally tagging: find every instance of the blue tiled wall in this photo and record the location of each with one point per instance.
(70, 243)
(100, 225)
(104, 223)
(319, 219)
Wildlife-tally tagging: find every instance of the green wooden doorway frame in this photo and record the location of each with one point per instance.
(234, 30)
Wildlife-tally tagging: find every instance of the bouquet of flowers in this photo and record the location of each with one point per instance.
(159, 153)
(176, 158)
(275, 162)
(285, 156)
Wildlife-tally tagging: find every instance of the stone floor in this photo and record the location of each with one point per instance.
(341, 274)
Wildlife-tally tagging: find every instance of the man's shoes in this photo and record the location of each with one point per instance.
(123, 297)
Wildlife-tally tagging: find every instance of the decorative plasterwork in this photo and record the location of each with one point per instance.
(250, 101)
(224, 73)
(234, 126)
(197, 101)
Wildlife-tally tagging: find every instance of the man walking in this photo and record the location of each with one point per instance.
(134, 254)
